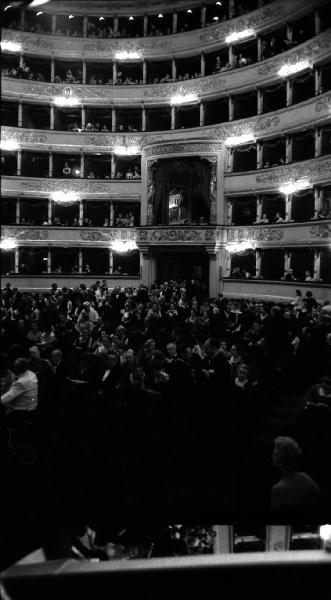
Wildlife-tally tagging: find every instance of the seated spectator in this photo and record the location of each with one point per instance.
(242, 60)
(66, 170)
(22, 396)
(237, 273)
(263, 220)
(89, 127)
(87, 222)
(119, 175)
(289, 276)
(308, 276)
(279, 218)
(90, 175)
(129, 174)
(131, 220)
(75, 222)
(105, 128)
(296, 490)
(106, 223)
(136, 173)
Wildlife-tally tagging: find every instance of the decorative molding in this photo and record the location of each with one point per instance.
(255, 234)
(184, 148)
(310, 169)
(85, 187)
(321, 231)
(122, 235)
(26, 234)
(175, 235)
(323, 104)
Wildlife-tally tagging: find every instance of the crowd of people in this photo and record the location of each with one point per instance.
(132, 172)
(23, 72)
(289, 275)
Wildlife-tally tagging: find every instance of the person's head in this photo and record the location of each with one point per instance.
(56, 357)
(150, 345)
(137, 377)
(234, 351)
(127, 358)
(171, 350)
(20, 366)
(34, 352)
(243, 372)
(287, 454)
(211, 347)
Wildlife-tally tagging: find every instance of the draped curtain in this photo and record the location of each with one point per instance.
(191, 175)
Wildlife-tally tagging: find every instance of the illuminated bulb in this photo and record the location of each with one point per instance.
(62, 101)
(131, 18)
(40, 12)
(64, 197)
(9, 145)
(76, 172)
(7, 7)
(126, 150)
(295, 68)
(189, 11)
(294, 186)
(218, 3)
(36, 3)
(239, 35)
(183, 99)
(160, 16)
(101, 18)
(325, 532)
(8, 244)
(11, 46)
(71, 16)
(127, 55)
(215, 18)
(236, 140)
(124, 246)
(241, 247)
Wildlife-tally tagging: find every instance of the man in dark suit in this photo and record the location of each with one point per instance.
(217, 366)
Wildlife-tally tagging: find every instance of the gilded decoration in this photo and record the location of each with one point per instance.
(323, 104)
(257, 126)
(182, 148)
(312, 168)
(23, 137)
(321, 231)
(255, 234)
(108, 236)
(175, 235)
(27, 234)
(82, 186)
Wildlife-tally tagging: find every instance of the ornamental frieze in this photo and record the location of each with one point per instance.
(255, 234)
(191, 86)
(115, 45)
(183, 148)
(23, 137)
(323, 104)
(321, 231)
(259, 125)
(307, 169)
(175, 235)
(80, 186)
(27, 234)
(122, 235)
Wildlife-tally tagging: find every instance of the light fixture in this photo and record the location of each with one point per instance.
(127, 55)
(126, 150)
(294, 186)
(124, 245)
(7, 7)
(40, 12)
(236, 140)
(160, 16)
(215, 19)
(218, 3)
(189, 11)
(71, 16)
(76, 172)
(36, 3)
(239, 35)
(295, 68)
(178, 99)
(131, 18)
(239, 247)
(64, 197)
(8, 244)
(9, 145)
(62, 101)
(11, 46)
(325, 532)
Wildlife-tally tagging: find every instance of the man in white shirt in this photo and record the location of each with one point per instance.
(23, 393)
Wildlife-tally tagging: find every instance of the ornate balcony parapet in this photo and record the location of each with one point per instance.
(273, 290)
(313, 112)
(94, 188)
(164, 46)
(235, 80)
(317, 170)
(211, 237)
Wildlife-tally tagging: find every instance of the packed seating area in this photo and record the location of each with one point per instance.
(155, 400)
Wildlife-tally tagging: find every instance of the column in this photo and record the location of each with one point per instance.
(213, 191)
(259, 155)
(144, 71)
(317, 263)
(84, 72)
(17, 259)
(20, 114)
(231, 108)
(228, 264)
(113, 118)
(85, 26)
(19, 162)
(202, 114)
(289, 92)
(173, 69)
(80, 260)
(111, 260)
(289, 31)
(214, 283)
(18, 211)
(259, 101)
(318, 201)
(258, 260)
(115, 24)
(145, 25)
(82, 166)
(317, 22)
(202, 64)
(174, 22)
(49, 260)
(318, 80)
(203, 16)
(231, 9)
(50, 164)
(223, 541)
(318, 141)
(22, 19)
(21, 60)
(51, 116)
(231, 56)
(229, 212)
(278, 538)
(230, 159)
(53, 24)
(111, 214)
(81, 213)
(143, 119)
(173, 117)
(112, 166)
(83, 117)
(49, 211)
(220, 204)
(114, 71)
(287, 260)
(52, 69)
(259, 48)
(259, 207)
(288, 149)
(288, 207)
